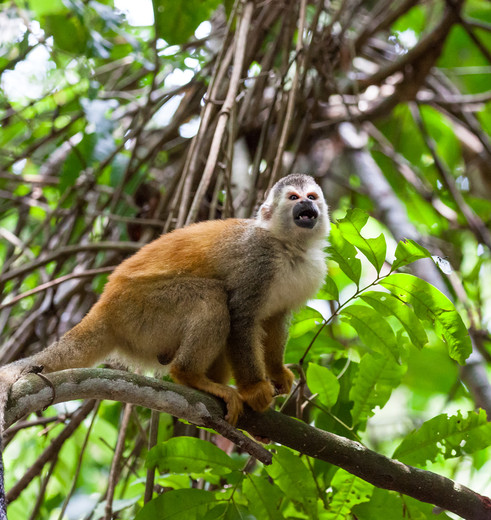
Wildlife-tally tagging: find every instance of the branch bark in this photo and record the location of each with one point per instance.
(31, 393)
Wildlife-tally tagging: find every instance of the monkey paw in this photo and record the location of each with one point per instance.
(258, 395)
(283, 381)
(234, 406)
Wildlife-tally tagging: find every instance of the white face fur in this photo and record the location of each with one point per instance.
(295, 209)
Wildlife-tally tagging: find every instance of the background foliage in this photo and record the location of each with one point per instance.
(117, 127)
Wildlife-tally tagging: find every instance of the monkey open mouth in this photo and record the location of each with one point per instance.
(305, 214)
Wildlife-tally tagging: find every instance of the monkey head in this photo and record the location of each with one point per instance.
(295, 207)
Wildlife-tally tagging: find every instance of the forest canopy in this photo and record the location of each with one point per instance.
(120, 121)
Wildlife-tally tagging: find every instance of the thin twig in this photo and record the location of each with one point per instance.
(116, 463)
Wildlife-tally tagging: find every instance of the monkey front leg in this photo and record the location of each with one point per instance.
(276, 330)
(246, 357)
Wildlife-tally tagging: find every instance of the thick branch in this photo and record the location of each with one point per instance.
(31, 393)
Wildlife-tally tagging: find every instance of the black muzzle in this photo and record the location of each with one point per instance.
(305, 214)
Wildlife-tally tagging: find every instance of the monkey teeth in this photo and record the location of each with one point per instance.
(306, 219)
(307, 215)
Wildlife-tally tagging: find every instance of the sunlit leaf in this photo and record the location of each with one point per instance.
(431, 304)
(305, 320)
(389, 305)
(408, 251)
(322, 381)
(373, 330)
(344, 254)
(373, 248)
(329, 290)
(376, 378)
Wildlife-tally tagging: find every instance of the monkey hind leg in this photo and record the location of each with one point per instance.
(201, 359)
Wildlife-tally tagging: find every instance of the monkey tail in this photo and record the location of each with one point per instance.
(8, 376)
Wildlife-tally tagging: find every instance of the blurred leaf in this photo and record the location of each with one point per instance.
(450, 436)
(44, 7)
(177, 20)
(376, 378)
(442, 133)
(430, 304)
(68, 33)
(322, 381)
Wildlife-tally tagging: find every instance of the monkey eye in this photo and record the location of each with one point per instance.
(293, 197)
(312, 196)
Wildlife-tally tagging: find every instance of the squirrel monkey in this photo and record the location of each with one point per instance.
(209, 300)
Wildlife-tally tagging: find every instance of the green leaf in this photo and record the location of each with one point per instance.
(348, 492)
(179, 504)
(190, 455)
(373, 248)
(373, 330)
(329, 290)
(293, 477)
(323, 382)
(304, 321)
(387, 305)
(452, 436)
(344, 254)
(177, 20)
(263, 497)
(407, 252)
(430, 304)
(376, 378)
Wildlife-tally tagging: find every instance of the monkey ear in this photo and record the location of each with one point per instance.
(266, 212)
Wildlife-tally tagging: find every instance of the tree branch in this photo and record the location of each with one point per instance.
(31, 393)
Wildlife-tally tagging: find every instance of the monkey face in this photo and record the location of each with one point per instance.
(295, 207)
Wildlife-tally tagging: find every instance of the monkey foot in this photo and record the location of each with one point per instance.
(283, 381)
(258, 395)
(234, 407)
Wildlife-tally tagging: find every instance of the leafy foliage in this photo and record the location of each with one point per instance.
(445, 436)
